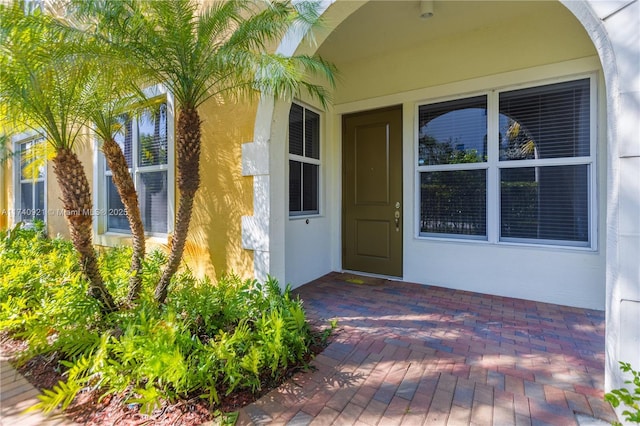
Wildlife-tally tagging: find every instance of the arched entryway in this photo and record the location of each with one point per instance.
(389, 56)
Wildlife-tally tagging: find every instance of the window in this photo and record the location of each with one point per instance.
(30, 188)
(146, 142)
(539, 163)
(30, 6)
(548, 129)
(452, 160)
(304, 161)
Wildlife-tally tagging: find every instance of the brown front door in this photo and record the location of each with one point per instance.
(372, 191)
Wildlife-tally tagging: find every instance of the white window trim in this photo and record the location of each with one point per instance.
(111, 237)
(308, 160)
(17, 141)
(493, 165)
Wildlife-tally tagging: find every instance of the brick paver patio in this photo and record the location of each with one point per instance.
(419, 355)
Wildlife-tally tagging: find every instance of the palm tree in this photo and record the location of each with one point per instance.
(199, 52)
(45, 91)
(111, 92)
(108, 101)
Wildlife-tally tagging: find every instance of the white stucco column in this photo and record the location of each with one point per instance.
(265, 160)
(255, 162)
(613, 27)
(623, 264)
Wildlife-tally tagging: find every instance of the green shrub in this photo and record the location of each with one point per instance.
(40, 284)
(625, 397)
(208, 340)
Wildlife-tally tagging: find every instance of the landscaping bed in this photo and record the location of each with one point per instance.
(211, 349)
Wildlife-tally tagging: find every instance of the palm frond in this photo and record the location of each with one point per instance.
(40, 88)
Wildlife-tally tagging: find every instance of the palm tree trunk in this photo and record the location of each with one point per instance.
(126, 189)
(76, 199)
(188, 156)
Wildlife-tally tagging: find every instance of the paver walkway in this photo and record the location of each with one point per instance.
(418, 355)
(16, 395)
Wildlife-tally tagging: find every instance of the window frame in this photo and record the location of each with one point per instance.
(494, 165)
(302, 159)
(481, 165)
(156, 95)
(18, 142)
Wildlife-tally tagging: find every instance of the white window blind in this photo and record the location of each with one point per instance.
(545, 122)
(532, 182)
(304, 161)
(546, 199)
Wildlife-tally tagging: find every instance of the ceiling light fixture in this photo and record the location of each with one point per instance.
(426, 9)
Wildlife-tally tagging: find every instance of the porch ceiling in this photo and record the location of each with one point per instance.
(379, 26)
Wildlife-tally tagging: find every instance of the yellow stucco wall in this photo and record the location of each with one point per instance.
(214, 246)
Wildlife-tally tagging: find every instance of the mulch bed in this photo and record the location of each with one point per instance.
(44, 372)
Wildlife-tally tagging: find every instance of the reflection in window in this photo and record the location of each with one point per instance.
(545, 122)
(452, 156)
(116, 219)
(144, 141)
(454, 202)
(124, 137)
(453, 132)
(152, 136)
(515, 142)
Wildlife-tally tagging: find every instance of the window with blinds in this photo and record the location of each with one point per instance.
(545, 163)
(304, 161)
(452, 156)
(535, 173)
(30, 191)
(144, 142)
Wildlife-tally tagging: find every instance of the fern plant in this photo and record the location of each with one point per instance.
(209, 340)
(63, 393)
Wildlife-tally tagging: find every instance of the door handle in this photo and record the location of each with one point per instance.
(396, 216)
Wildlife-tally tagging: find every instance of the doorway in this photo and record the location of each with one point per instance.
(372, 191)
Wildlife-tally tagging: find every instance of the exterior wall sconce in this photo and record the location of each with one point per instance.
(426, 9)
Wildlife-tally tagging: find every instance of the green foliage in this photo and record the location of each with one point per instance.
(207, 341)
(42, 88)
(63, 393)
(626, 397)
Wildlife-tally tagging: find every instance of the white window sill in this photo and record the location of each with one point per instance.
(506, 244)
(114, 239)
